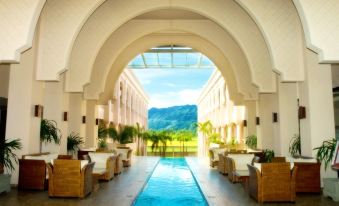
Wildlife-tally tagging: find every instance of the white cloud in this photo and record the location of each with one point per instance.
(183, 97)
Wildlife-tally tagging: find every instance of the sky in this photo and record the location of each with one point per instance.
(172, 87)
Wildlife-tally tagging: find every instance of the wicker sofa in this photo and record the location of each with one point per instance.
(104, 162)
(33, 171)
(237, 162)
(214, 155)
(272, 182)
(70, 178)
(308, 175)
(118, 164)
(126, 155)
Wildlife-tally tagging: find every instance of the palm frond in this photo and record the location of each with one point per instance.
(7, 153)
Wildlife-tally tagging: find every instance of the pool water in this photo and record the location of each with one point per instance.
(171, 183)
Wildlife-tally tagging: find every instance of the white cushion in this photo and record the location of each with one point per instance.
(40, 157)
(50, 157)
(100, 159)
(241, 160)
(123, 152)
(83, 163)
(291, 159)
(216, 152)
(258, 165)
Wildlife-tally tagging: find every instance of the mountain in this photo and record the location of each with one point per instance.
(176, 117)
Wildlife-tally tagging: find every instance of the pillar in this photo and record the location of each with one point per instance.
(315, 94)
(91, 127)
(23, 93)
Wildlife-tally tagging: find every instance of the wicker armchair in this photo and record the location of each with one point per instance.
(274, 182)
(126, 155)
(237, 162)
(222, 164)
(119, 164)
(33, 171)
(104, 162)
(68, 179)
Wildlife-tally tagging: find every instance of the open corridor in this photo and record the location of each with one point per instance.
(123, 189)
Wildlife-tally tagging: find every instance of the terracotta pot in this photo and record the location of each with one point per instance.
(1, 168)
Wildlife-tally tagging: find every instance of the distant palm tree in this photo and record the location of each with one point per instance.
(206, 129)
(139, 135)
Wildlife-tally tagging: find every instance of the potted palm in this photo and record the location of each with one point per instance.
(49, 132)
(268, 154)
(295, 146)
(73, 143)
(7, 156)
(251, 141)
(102, 136)
(126, 135)
(325, 151)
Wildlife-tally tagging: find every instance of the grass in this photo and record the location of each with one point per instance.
(176, 146)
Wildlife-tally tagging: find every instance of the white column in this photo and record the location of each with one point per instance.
(75, 113)
(316, 95)
(91, 127)
(23, 93)
(55, 104)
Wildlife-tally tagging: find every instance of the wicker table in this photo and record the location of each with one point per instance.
(97, 173)
(243, 176)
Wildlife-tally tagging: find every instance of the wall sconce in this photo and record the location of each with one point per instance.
(275, 117)
(65, 116)
(257, 120)
(84, 119)
(38, 110)
(302, 112)
(245, 123)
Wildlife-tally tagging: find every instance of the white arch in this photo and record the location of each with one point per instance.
(321, 27)
(283, 33)
(149, 41)
(60, 22)
(112, 14)
(135, 29)
(18, 21)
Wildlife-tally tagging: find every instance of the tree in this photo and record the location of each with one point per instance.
(206, 129)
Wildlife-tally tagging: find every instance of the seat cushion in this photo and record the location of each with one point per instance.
(241, 160)
(123, 152)
(216, 152)
(100, 159)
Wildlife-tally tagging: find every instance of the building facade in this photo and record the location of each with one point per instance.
(215, 105)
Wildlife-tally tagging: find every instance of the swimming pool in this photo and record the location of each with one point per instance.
(171, 183)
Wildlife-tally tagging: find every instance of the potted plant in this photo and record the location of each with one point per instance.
(49, 132)
(251, 141)
(268, 154)
(102, 135)
(325, 151)
(295, 146)
(73, 143)
(126, 135)
(7, 154)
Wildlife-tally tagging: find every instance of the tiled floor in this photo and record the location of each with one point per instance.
(123, 189)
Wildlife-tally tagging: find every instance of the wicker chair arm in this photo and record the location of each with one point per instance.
(293, 182)
(255, 183)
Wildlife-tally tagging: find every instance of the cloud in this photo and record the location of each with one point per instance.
(182, 97)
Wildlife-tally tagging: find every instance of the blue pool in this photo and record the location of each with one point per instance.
(171, 183)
